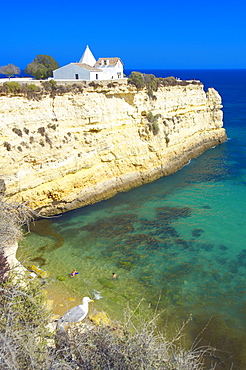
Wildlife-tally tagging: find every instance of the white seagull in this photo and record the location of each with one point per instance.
(76, 313)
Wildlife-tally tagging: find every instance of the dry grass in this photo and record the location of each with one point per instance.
(135, 344)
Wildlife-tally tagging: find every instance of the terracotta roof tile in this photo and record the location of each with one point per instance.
(89, 68)
(111, 61)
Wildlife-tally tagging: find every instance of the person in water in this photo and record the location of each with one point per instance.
(73, 273)
(114, 276)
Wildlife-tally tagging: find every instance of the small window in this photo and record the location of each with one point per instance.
(76, 76)
(96, 76)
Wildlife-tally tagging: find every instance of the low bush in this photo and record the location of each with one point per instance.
(137, 79)
(152, 83)
(168, 81)
(32, 87)
(151, 95)
(17, 131)
(7, 146)
(136, 344)
(153, 120)
(4, 268)
(50, 85)
(150, 117)
(11, 87)
(94, 84)
(167, 139)
(155, 128)
(23, 325)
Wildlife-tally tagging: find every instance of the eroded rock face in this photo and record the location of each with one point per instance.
(76, 149)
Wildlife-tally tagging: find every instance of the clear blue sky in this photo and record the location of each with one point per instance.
(158, 34)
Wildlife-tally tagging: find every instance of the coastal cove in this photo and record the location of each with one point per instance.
(180, 238)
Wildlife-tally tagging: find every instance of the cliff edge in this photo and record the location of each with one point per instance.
(69, 150)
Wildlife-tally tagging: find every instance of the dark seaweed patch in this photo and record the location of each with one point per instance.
(150, 223)
(171, 231)
(241, 257)
(112, 226)
(221, 260)
(44, 228)
(40, 260)
(166, 245)
(169, 214)
(223, 247)
(178, 271)
(207, 247)
(197, 232)
(42, 249)
(143, 240)
(182, 242)
(206, 207)
(217, 276)
(71, 232)
(233, 267)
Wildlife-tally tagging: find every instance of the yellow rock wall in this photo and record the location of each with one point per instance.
(65, 152)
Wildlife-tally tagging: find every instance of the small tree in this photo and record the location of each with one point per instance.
(9, 70)
(42, 67)
(137, 79)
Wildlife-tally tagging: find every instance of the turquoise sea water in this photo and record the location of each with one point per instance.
(180, 240)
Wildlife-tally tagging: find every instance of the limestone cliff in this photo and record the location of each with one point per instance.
(63, 152)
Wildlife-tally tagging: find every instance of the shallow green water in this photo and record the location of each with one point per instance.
(170, 240)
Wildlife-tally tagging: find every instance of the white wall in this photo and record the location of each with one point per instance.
(96, 76)
(69, 72)
(112, 72)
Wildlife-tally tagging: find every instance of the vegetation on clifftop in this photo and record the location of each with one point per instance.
(37, 90)
(33, 91)
(152, 83)
(10, 70)
(42, 67)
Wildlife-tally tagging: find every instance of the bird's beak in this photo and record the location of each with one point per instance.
(92, 300)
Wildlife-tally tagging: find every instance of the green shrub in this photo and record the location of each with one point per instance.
(137, 79)
(151, 95)
(168, 81)
(150, 117)
(12, 87)
(50, 85)
(155, 128)
(32, 87)
(23, 325)
(151, 82)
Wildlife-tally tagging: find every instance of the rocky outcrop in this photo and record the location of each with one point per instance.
(60, 153)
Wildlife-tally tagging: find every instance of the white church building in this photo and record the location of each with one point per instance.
(89, 69)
